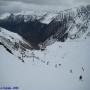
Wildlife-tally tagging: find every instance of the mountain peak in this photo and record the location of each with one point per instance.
(39, 28)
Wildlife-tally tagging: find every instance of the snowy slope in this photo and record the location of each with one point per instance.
(14, 43)
(64, 63)
(61, 66)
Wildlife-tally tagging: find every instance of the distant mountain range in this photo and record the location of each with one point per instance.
(42, 29)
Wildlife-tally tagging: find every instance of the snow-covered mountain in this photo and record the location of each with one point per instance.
(38, 28)
(54, 47)
(62, 65)
(27, 31)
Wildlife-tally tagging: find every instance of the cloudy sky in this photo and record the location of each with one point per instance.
(17, 5)
(49, 2)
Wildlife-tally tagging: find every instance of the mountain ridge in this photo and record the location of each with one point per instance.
(70, 23)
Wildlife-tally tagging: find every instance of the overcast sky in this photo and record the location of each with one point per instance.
(17, 5)
(50, 2)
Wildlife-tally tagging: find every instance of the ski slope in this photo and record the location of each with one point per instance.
(67, 62)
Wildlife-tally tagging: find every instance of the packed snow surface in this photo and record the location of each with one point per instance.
(66, 62)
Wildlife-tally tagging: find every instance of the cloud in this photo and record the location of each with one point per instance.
(46, 2)
(18, 5)
(85, 1)
(81, 2)
(14, 6)
(9, 7)
(51, 2)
